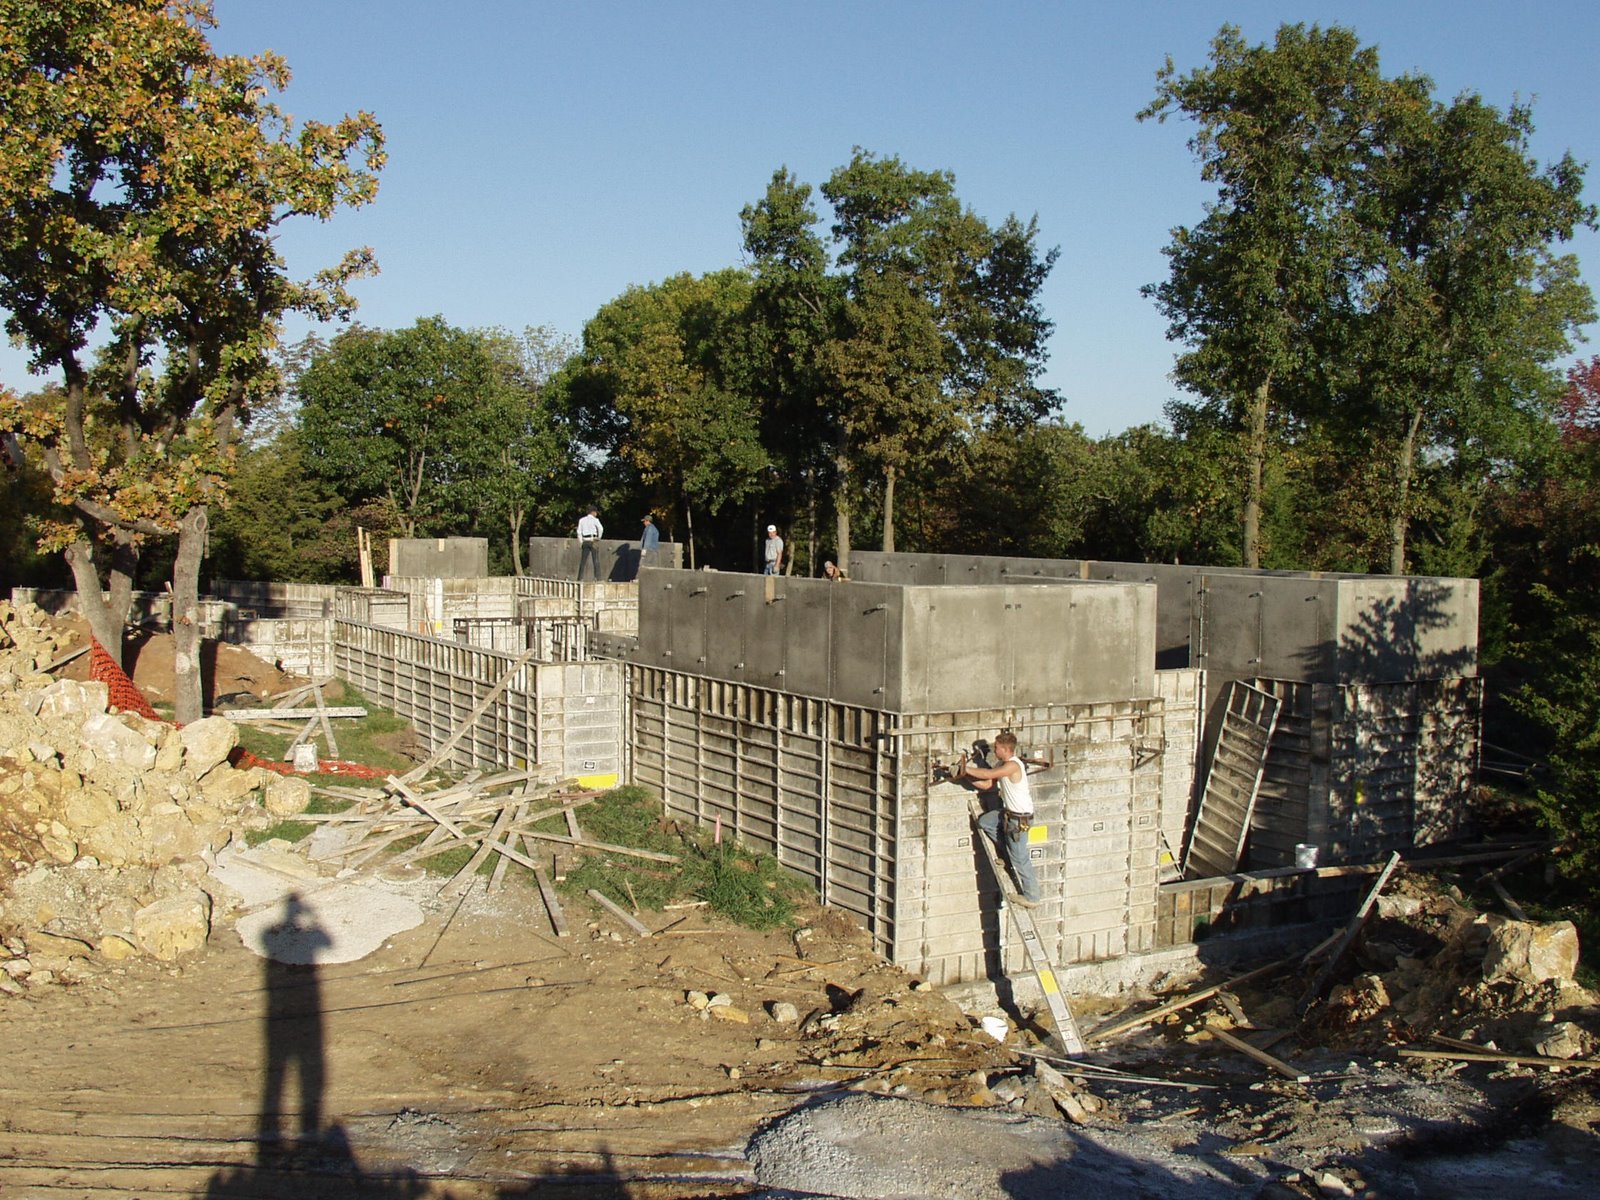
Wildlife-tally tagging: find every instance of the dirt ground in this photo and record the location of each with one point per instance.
(477, 1055)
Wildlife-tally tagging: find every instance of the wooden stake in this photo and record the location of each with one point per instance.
(1324, 975)
(1261, 1056)
(1182, 1002)
(548, 895)
(619, 912)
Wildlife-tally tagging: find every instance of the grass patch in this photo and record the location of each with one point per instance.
(368, 740)
(748, 888)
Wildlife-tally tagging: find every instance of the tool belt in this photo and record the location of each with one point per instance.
(1020, 822)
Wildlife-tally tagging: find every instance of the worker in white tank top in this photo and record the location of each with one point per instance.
(1007, 827)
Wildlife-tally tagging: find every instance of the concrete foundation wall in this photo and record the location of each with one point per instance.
(557, 558)
(439, 558)
(1364, 770)
(303, 645)
(565, 715)
(1311, 626)
(902, 649)
(843, 795)
(258, 598)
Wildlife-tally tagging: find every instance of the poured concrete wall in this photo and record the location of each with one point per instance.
(258, 598)
(903, 649)
(557, 558)
(1310, 626)
(439, 558)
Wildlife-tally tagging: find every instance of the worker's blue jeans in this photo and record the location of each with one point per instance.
(1015, 844)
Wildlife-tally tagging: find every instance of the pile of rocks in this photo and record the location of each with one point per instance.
(29, 642)
(106, 818)
(1430, 964)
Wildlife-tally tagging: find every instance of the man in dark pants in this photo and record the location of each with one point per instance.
(590, 532)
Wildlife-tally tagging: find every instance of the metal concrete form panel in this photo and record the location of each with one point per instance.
(1393, 630)
(864, 621)
(301, 645)
(564, 714)
(808, 644)
(557, 558)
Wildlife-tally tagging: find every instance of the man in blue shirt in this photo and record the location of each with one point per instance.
(649, 544)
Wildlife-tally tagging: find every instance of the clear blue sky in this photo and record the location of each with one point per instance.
(544, 155)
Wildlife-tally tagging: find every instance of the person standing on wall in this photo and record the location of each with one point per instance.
(1014, 817)
(590, 531)
(649, 544)
(772, 552)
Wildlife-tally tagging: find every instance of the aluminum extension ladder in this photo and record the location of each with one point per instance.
(1022, 919)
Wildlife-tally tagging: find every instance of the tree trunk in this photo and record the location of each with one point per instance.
(188, 699)
(516, 540)
(888, 509)
(1399, 520)
(841, 510)
(811, 523)
(106, 614)
(688, 524)
(1256, 453)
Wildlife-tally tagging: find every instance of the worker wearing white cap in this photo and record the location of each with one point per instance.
(772, 552)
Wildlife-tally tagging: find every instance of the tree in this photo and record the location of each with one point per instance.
(142, 178)
(1462, 307)
(665, 363)
(1377, 270)
(1283, 131)
(925, 329)
(442, 425)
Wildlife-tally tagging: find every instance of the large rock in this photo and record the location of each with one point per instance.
(114, 742)
(1528, 953)
(89, 808)
(71, 699)
(173, 926)
(287, 795)
(223, 787)
(208, 742)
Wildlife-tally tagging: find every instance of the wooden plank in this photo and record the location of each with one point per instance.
(1182, 1002)
(1523, 1060)
(464, 877)
(652, 855)
(1512, 906)
(1324, 975)
(1261, 1056)
(280, 714)
(419, 802)
(327, 726)
(496, 879)
(619, 912)
(547, 893)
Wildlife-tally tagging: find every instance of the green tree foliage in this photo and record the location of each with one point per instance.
(923, 330)
(1544, 602)
(142, 179)
(662, 384)
(1377, 273)
(442, 427)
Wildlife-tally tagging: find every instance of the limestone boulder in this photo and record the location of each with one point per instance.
(287, 795)
(113, 742)
(223, 787)
(69, 699)
(1530, 953)
(173, 926)
(206, 743)
(87, 808)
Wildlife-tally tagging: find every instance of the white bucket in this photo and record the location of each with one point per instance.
(305, 757)
(995, 1027)
(1305, 855)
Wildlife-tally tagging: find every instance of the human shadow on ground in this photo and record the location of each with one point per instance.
(298, 1152)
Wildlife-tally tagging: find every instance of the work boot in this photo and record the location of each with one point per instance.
(1025, 902)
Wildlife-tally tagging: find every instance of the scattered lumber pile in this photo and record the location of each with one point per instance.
(410, 821)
